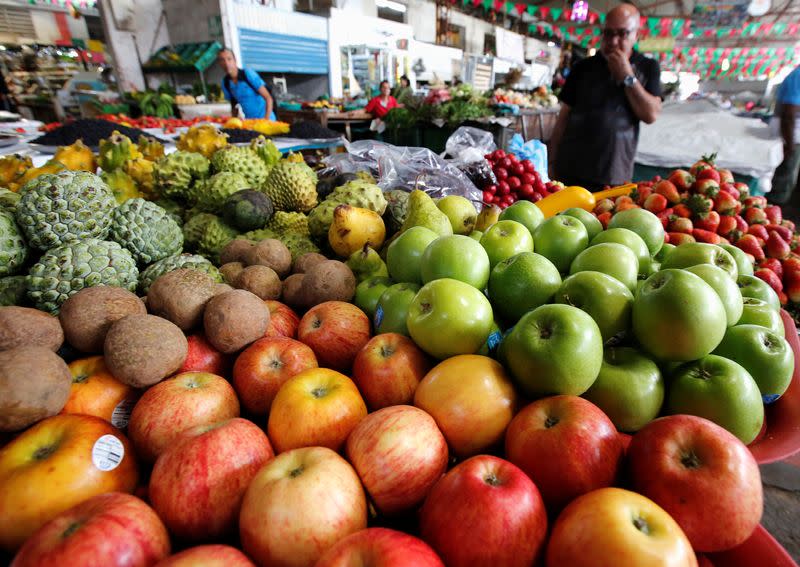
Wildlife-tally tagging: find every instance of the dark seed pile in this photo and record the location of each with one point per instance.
(90, 130)
(308, 129)
(238, 135)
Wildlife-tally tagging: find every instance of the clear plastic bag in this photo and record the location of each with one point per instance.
(468, 144)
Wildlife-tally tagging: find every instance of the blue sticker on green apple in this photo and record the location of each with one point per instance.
(378, 316)
(769, 398)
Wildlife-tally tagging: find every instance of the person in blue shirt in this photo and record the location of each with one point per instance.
(244, 87)
(788, 110)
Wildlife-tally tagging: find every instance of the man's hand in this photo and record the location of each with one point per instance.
(618, 65)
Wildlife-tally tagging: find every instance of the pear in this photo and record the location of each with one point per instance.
(460, 211)
(353, 228)
(367, 263)
(422, 211)
(489, 215)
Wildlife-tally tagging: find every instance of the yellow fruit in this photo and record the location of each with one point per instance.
(51, 166)
(234, 123)
(12, 168)
(151, 148)
(294, 158)
(77, 157)
(205, 139)
(489, 215)
(141, 171)
(353, 228)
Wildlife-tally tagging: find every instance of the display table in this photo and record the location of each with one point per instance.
(327, 118)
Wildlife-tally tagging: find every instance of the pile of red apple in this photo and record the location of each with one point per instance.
(706, 204)
(516, 180)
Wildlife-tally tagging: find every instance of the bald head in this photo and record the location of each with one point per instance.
(619, 33)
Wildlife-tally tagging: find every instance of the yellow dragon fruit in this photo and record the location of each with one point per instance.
(151, 148)
(141, 171)
(121, 184)
(205, 140)
(116, 150)
(77, 157)
(12, 168)
(51, 166)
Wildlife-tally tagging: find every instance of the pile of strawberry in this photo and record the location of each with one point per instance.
(706, 204)
(516, 180)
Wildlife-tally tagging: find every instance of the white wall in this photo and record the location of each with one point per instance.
(421, 15)
(360, 7)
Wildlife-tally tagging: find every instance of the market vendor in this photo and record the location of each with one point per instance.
(603, 100)
(380, 106)
(788, 111)
(402, 92)
(244, 87)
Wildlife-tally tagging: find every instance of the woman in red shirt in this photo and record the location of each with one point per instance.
(383, 103)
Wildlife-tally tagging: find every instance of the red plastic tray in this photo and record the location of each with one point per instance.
(760, 550)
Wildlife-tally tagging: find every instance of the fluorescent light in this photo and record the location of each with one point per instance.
(726, 64)
(391, 5)
(592, 51)
(551, 44)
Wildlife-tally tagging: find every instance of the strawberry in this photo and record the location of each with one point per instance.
(727, 225)
(678, 238)
(792, 286)
(784, 232)
(749, 245)
(603, 206)
(743, 188)
(725, 176)
(758, 230)
(699, 204)
(709, 173)
(770, 277)
(741, 225)
(791, 264)
(707, 187)
(774, 214)
(772, 264)
(783, 298)
(680, 224)
(682, 210)
(655, 203)
(625, 206)
(777, 247)
(730, 188)
(623, 199)
(725, 204)
(641, 193)
(709, 221)
(755, 215)
(758, 202)
(668, 190)
(761, 242)
(664, 216)
(604, 218)
(707, 236)
(723, 240)
(788, 224)
(680, 179)
(705, 162)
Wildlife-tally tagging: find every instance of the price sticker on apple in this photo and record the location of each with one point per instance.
(122, 413)
(107, 453)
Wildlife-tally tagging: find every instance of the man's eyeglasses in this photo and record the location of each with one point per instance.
(622, 33)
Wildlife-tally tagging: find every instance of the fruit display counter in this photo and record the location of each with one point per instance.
(220, 355)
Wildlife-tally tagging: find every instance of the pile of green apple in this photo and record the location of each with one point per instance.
(639, 327)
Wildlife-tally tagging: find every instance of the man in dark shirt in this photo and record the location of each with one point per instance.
(604, 98)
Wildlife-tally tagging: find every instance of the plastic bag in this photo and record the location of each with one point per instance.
(468, 144)
(533, 150)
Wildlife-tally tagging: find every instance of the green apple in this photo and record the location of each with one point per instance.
(392, 309)
(460, 211)
(751, 286)
(678, 317)
(644, 223)
(560, 239)
(757, 312)
(664, 252)
(405, 253)
(449, 317)
(593, 226)
(631, 240)
(554, 349)
(765, 355)
(521, 283)
(743, 263)
(725, 287)
(476, 235)
(504, 239)
(524, 212)
(721, 391)
(369, 292)
(629, 388)
(604, 298)
(616, 260)
(694, 253)
(458, 257)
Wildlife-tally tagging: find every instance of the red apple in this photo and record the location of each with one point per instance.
(263, 367)
(612, 526)
(388, 369)
(335, 331)
(202, 357)
(702, 475)
(567, 445)
(300, 504)
(56, 464)
(283, 322)
(399, 453)
(380, 547)
(198, 483)
(108, 530)
(171, 407)
(213, 555)
(485, 511)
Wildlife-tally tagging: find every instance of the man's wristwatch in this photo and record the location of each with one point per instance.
(629, 81)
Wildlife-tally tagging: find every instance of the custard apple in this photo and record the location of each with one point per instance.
(247, 209)
(175, 173)
(360, 194)
(284, 223)
(298, 244)
(259, 234)
(241, 160)
(174, 209)
(214, 238)
(188, 261)
(64, 208)
(13, 290)
(147, 230)
(195, 227)
(13, 250)
(321, 218)
(292, 187)
(397, 208)
(9, 200)
(210, 195)
(67, 269)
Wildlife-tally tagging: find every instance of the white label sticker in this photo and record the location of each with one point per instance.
(122, 413)
(107, 453)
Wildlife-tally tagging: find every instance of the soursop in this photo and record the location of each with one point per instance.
(247, 209)
(292, 187)
(13, 290)
(266, 150)
(188, 261)
(215, 236)
(210, 195)
(360, 194)
(64, 208)
(146, 230)
(63, 271)
(241, 160)
(194, 228)
(284, 223)
(175, 173)
(13, 250)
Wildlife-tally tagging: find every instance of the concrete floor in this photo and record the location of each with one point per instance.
(782, 503)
